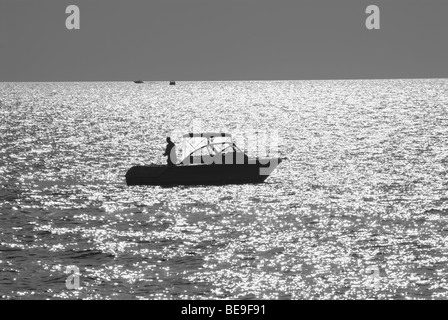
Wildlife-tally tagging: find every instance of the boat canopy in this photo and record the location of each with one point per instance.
(207, 135)
(209, 144)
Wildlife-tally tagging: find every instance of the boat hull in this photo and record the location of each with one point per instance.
(200, 174)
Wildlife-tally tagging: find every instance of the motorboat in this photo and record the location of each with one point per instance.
(207, 159)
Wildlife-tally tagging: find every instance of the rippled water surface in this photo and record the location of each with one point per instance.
(358, 210)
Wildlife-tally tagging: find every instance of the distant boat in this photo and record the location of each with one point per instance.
(138, 81)
(208, 159)
(172, 83)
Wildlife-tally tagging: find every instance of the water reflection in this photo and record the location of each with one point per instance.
(365, 184)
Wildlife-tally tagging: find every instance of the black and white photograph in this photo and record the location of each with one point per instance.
(235, 151)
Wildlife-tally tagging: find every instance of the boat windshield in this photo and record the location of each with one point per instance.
(208, 144)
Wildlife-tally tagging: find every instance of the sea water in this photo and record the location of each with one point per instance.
(358, 209)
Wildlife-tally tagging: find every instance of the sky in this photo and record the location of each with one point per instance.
(206, 40)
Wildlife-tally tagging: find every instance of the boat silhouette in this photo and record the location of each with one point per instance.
(214, 160)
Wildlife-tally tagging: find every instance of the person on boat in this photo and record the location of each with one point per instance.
(170, 152)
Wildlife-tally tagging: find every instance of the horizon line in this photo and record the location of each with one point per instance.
(236, 80)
